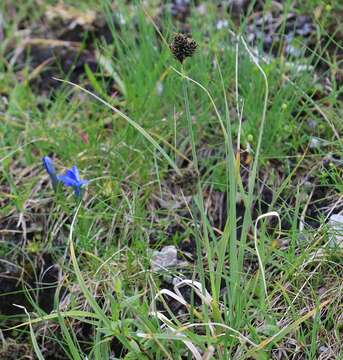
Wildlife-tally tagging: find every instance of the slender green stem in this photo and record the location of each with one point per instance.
(189, 122)
(199, 198)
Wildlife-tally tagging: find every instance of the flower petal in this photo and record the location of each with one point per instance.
(68, 180)
(50, 169)
(76, 172)
(49, 165)
(70, 173)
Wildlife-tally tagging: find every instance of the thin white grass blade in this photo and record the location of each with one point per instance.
(193, 349)
(176, 297)
(198, 288)
(189, 344)
(269, 214)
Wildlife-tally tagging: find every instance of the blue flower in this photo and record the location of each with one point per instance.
(50, 169)
(72, 178)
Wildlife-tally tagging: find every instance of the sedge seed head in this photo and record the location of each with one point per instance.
(182, 47)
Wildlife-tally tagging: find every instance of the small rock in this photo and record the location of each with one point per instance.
(165, 258)
(316, 142)
(323, 349)
(336, 230)
(221, 24)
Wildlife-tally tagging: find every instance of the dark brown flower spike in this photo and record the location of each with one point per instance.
(183, 47)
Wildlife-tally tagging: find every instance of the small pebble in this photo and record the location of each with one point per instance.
(336, 230)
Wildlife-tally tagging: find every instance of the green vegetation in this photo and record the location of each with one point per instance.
(234, 157)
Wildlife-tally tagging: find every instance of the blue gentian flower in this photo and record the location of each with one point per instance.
(72, 178)
(50, 169)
